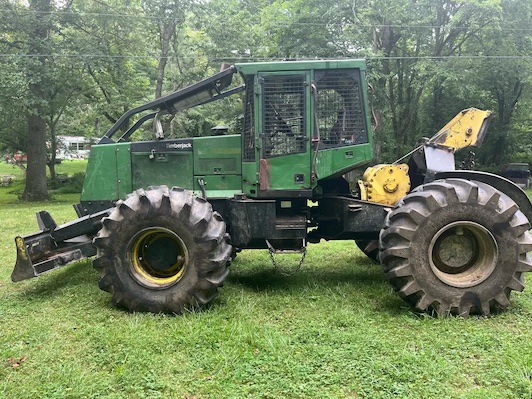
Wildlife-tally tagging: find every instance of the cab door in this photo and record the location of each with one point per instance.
(284, 134)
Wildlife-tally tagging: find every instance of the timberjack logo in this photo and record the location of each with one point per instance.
(179, 146)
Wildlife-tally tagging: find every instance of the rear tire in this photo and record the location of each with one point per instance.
(162, 251)
(456, 247)
(370, 248)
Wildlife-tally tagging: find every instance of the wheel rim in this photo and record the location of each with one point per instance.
(463, 254)
(158, 257)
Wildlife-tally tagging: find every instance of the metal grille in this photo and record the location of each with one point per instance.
(248, 139)
(340, 112)
(284, 119)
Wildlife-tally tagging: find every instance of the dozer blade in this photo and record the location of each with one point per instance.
(38, 253)
(55, 246)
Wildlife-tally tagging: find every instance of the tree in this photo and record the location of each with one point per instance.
(36, 74)
(109, 37)
(169, 17)
(506, 74)
(41, 84)
(60, 95)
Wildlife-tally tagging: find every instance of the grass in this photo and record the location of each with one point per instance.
(67, 167)
(333, 330)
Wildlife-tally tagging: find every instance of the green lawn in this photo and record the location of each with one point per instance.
(10, 194)
(333, 330)
(68, 167)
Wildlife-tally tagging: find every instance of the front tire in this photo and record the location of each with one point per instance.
(162, 251)
(456, 247)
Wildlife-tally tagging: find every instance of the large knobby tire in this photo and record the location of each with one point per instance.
(162, 251)
(456, 247)
(370, 248)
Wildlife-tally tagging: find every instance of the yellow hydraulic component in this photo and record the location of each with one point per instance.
(385, 184)
(468, 128)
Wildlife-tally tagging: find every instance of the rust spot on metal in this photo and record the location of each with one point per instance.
(264, 174)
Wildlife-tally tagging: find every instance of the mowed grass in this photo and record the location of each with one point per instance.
(334, 329)
(67, 167)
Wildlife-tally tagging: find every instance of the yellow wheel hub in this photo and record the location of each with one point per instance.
(158, 257)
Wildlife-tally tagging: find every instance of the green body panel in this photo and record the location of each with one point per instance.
(337, 161)
(291, 172)
(170, 169)
(218, 186)
(250, 178)
(115, 170)
(124, 173)
(218, 165)
(108, 174)
(217, 155)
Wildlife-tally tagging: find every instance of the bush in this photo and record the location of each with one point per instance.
(67, 185)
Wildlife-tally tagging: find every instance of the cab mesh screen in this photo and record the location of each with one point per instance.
(340, 113)
(283, 115)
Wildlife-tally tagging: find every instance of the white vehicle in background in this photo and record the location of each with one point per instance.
(73, 147)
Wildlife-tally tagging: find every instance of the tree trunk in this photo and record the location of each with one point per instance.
(166, 32)
(36, 185)
(52, 160)
(53, 148)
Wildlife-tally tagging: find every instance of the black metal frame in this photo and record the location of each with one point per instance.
(190, 95)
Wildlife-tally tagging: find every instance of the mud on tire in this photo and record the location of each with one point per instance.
(456, 247)
(162, 250)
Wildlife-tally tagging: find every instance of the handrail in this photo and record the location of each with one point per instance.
(196, 94)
